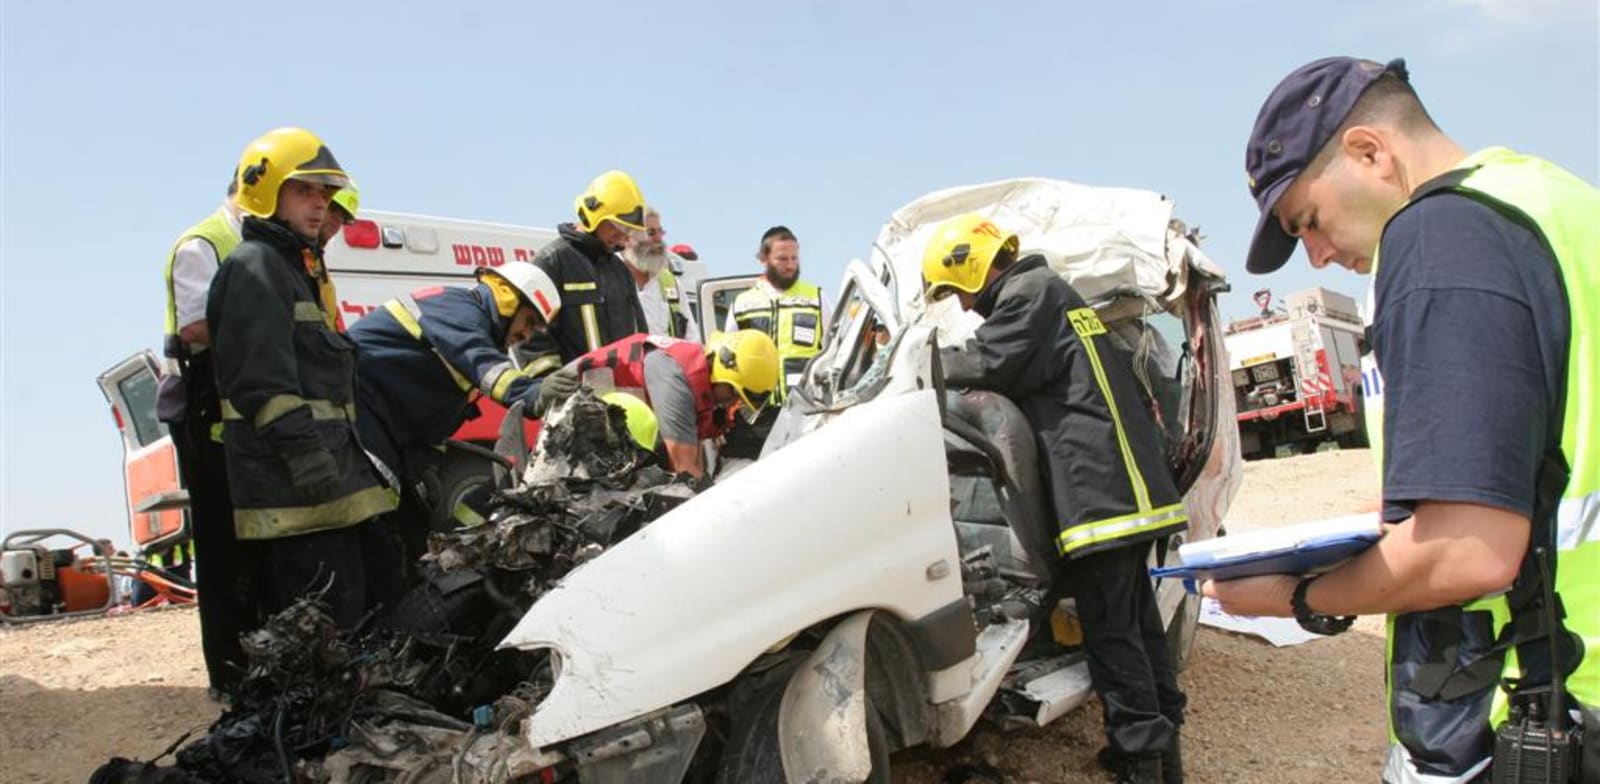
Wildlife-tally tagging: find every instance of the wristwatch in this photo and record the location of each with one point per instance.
(1315, 622)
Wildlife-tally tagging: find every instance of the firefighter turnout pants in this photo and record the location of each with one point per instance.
(229, 578)
(354, 569)
(1130, 663)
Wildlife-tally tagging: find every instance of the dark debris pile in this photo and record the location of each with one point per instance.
(419, 694)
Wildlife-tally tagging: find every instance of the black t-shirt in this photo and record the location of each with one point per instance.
(1471, 335)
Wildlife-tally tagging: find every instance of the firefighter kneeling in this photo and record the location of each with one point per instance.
(693, 390)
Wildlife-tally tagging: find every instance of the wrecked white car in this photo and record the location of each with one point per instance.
(874, 581)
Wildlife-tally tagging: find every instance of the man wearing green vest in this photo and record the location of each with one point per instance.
(788, 309)
(191, 409)
(665, 310)
(1483, 324)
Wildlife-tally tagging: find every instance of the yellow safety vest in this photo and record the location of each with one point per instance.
(669, 292)
(792, 318)
(1565, 211)
(217, 231)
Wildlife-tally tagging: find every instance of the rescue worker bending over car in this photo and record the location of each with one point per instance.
(300, 482)
(1112, 493)
(693, 390)
(425, 359)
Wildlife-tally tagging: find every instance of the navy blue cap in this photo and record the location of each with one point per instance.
(1298, 118)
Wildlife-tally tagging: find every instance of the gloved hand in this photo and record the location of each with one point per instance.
(556, 387)
(315, 475)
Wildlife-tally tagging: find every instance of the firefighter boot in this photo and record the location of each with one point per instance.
(1140, 769)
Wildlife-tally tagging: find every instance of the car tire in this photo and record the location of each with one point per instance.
(461, 474)
(752, 754)
(1182, 630)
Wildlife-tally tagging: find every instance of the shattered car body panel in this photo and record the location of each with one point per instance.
(748, 563)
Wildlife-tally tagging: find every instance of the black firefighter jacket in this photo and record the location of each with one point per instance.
(1041, 346)
(599, 300)
(287, 382)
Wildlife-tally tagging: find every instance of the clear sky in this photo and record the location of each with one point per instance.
(119, 123)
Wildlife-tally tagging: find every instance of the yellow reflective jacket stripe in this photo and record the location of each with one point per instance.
(279, 405)
(406, 311)
(338, 513)
(1133, 524)
(1088, 326)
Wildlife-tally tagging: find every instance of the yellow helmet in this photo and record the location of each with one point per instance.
(746, 360)
(283, 154)
(349, 199)
(641, 420)
(960, 253)
(612, 196)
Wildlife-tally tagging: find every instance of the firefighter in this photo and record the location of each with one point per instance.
(1485, 329)
(424, 360)
(788, 309)
(190, 407)
(602, 302)
(693, 390)
(301, 484)
(342, 209)
(666, 312)
(1113, 494)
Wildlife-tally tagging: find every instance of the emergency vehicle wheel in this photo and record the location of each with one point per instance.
(462, 476)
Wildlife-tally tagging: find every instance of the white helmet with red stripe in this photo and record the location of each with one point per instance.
(536, 288)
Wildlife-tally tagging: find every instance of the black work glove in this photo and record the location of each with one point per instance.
(556, 387)
(315, 475)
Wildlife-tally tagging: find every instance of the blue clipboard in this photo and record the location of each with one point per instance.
(1310, 556)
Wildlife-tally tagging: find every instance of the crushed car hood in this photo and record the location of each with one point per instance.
(853, 515)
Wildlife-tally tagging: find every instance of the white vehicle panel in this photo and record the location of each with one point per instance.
(853, 515)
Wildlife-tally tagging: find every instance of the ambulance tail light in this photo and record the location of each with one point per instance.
(362, 234)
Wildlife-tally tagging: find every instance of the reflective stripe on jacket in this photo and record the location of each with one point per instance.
(287, 379)
(1044, 348)
(599, 300)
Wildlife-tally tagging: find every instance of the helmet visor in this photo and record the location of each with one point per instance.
(938, 291)
(633, 219)
(332, 179)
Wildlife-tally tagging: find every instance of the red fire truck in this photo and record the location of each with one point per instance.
(1297, 373)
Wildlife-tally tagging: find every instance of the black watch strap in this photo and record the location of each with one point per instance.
(1314, 622)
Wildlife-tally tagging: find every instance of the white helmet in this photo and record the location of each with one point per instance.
(536, 288)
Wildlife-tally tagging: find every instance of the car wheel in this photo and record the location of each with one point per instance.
(752, 754)
(462, 476)
(1181, 632)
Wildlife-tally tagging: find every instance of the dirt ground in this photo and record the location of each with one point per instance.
(75, 693)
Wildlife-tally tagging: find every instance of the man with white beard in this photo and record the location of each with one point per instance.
(664, 307)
